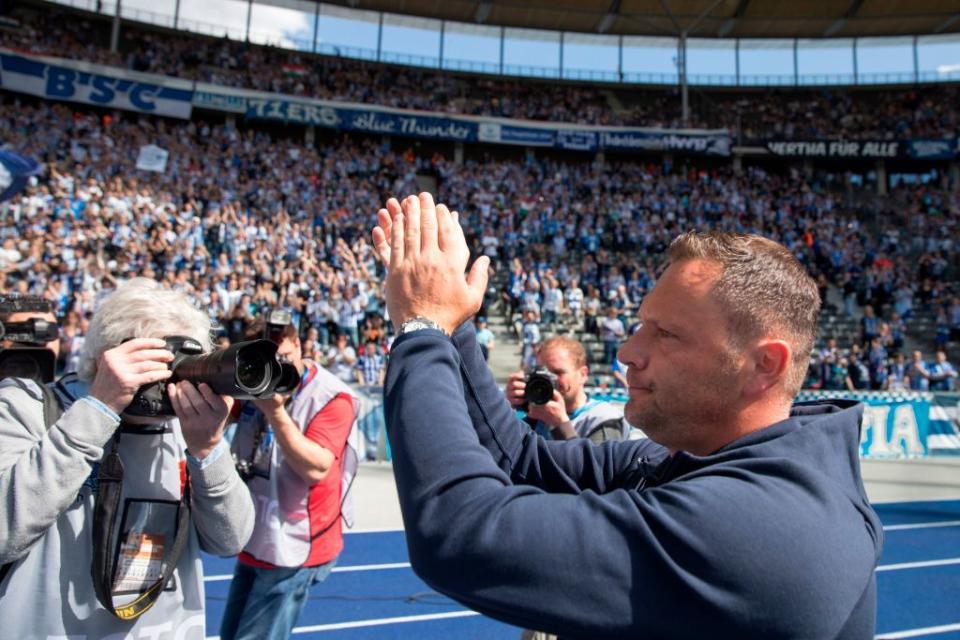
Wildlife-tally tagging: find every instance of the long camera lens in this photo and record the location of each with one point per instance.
(242, 370)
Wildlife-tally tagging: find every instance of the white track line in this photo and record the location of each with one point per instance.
(382, 621)
(922, 525)
(915, 633)
(918, 565)
(347, 569)
(373, 567)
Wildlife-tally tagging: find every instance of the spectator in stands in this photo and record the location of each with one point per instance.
(877, 364)
(530, 338)
(858, 372)
(898, 330)
(710, 382)
(918, 374)
(869, 326)
(485, 337)
(371, 366)
(835, 373)
(341, 359)
(294, 453)
(897, 374)
(591, 310)
(612, 333)
(574, 300)
(552, 301)
(571, 413)
(943, 375)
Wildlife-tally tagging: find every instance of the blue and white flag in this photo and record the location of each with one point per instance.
(15, 169)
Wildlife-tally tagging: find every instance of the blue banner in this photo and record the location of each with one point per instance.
(896, 424)
(104, 87)
(15, 169)
(923, 149)
(357, 119)
(351, 117)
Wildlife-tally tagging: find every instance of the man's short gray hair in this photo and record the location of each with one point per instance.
(141, 308)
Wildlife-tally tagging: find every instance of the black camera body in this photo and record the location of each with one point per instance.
(30, 359)
(540, 385)
(244, 370)
(277, 321)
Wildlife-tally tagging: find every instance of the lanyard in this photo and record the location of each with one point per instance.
(103, 566)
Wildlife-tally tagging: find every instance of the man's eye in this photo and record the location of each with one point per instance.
(664, 334)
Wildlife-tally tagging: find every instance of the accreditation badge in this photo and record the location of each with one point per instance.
(145, 541)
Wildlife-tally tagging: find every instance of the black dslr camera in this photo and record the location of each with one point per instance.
(243, 370)
(540, 384)
(30, 358)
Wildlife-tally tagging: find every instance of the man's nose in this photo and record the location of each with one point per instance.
(633, 352)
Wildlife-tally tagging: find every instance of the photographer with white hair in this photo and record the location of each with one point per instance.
(105, 512)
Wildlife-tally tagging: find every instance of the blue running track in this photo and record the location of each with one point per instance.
(374, 594)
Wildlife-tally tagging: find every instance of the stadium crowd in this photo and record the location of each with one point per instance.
(243, 221)
(922, 112)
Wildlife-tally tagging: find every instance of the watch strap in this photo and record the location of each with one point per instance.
(418, 323)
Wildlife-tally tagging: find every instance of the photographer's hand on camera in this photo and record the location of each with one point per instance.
(125, 368)
(202, 414)
(554, 415)
(273, 406)
(516, 389)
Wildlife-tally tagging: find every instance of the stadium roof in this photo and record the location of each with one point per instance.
(699, 18)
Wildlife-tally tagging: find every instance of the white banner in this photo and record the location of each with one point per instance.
(152, 158)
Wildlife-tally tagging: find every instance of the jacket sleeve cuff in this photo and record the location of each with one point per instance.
(102, 408)
(213, 456)
(214, 475)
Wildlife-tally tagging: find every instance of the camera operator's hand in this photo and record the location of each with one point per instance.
(516, 389)
(125, 368)
(202, 413)
(554, 413)
(428, 255)
(272, 406)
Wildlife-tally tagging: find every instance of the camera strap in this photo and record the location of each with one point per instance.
(103, 566)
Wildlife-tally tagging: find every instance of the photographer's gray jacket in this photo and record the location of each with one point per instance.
(47, 518)
(772, 536)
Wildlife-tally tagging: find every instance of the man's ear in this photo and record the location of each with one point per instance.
(770, 363)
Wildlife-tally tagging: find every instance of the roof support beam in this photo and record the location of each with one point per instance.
(731, 22)
(607, 21)
(851, 12)
(484, 7)
(946, 24)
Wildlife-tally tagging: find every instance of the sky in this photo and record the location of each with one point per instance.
(473, 47)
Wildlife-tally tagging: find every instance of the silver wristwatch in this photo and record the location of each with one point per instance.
(417, 323)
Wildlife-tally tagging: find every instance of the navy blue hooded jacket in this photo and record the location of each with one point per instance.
(770, 537)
